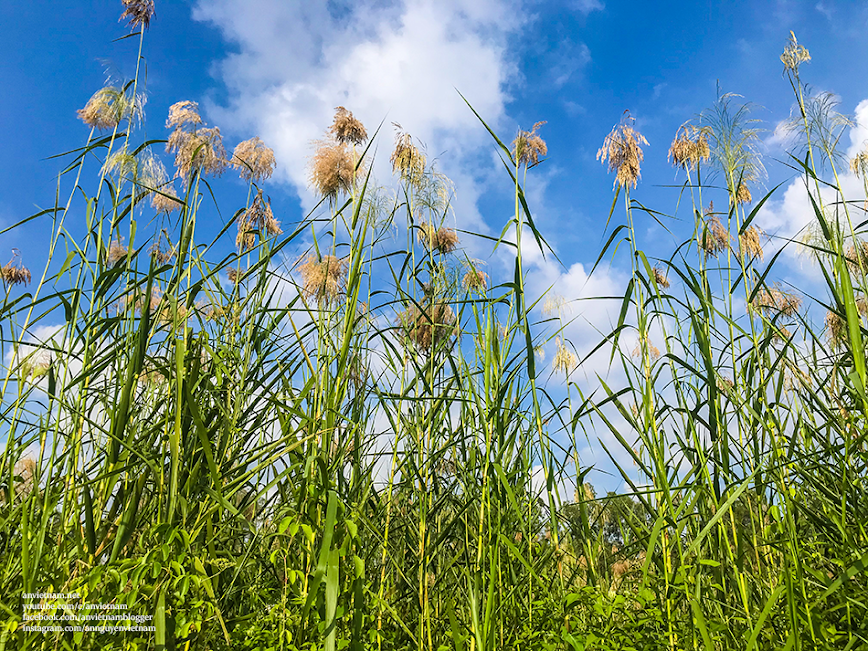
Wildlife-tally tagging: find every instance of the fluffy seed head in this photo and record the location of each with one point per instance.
(108, 106)
(857, 255)
(690, 147)
(794, 54)
(185, 113)
(442, 239)
(623, 152)
(859, 164)
(774, 300)
(553, 305)
(323, 279)
(749, 243)
(165, 199)
(234, 275)
(347, 129)
(253, 160)
(332, 169)
(430, 326)
(475, 280)
(713, 238)
(564, 359)
(200, 150)
(256, 219)
(116, 252)
(14, 273)
(528, 147)
(743, 195)
(162, 251)
(660, 277)
(653, 351)
(139, 12)
(407, 161)
(836, 329)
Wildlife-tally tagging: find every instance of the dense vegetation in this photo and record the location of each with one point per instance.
(359, 448)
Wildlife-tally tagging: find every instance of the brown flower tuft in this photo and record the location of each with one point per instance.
(859, 164)
(108, 106)
(116, 252)
(347, 129)
(660, 277)
(475, 280)
(15, 273)
(794, 54)
(407, 161)
(332, 169)
(182, 114)
(200, 151)
(622, 149)
(690, 147)
(139, 12)
(749, 243)
(774, 300)
(429, 327)
(724, 384)
(653, 351)
(857, 256)
(234, 275)
(163, 255)
(743, 195)
(256, 219)
(253, 160)
(713, 238)
(836, 329)
(323, 279)
(564, 359)
(442, 239)
(528, 147)
(165, 199)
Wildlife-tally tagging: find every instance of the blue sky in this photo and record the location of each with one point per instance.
(277, 69)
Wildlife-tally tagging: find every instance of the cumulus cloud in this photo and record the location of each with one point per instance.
(401, 62)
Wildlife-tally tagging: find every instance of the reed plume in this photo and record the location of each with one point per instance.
(140, 12)
(346, 129)
(528, 147)
(622, 149)
(323, 278)
(253, 160)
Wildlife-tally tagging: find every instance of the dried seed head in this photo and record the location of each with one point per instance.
(407, 161)
(564, 359)
(109, 106)
(528, 147)
(857, 256)
(713, 238)
(323, 279)
(253, 160)
(429, 327)
(475, 280)
(347, 129)
(333, 169)
(836, 329)
(256, 219)
(165, 199)
(749, 243)
(859, 165)
(622, 149)
(794, 54)
(660, 277)
(690, 147)
(743, 195)
(442, 239)
(724, 384)
(775, 300)
(553, 305)
(200, 150)
(653, 351)
(14, 272)
(139, 12)
(163, 254)
(116, 252)
(182, 114)
(234, 275)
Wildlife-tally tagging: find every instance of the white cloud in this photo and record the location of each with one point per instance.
(400, 62)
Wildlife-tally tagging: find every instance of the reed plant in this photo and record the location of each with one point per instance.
(338, 432)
